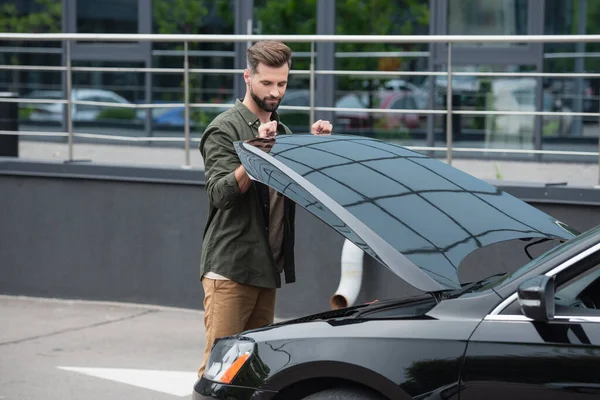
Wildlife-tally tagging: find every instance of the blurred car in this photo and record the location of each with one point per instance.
(464, 87)
(356, 121)
(403, 100)
(170, 116)
(400, 85)
(533, 332)
(79, 112)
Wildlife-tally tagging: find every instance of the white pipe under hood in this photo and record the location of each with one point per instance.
(351, 276)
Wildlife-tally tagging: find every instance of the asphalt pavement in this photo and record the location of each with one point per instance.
(67, 350)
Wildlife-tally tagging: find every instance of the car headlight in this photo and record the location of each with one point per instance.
(227, 357)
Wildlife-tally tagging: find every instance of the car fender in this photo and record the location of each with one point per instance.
(335, 370)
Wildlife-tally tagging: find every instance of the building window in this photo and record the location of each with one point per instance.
(192, 17)
(571, 94)
(382, 17)
(107, 16)
(481, 17)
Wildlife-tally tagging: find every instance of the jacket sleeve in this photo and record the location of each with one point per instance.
(220, 162)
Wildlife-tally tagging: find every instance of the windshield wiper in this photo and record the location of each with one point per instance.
(471, 286)
(465, 288)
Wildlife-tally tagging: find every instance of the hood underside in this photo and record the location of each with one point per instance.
(416, 215)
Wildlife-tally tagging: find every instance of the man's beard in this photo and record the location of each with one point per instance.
(262, 103)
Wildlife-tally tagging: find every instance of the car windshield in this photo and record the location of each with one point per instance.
(476, 286)
(489, 282)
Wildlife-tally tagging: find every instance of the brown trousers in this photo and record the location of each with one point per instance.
(231, 308)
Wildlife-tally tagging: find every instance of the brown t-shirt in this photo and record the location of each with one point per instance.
(276, 227)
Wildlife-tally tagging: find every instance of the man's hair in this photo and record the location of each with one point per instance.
(271, 53)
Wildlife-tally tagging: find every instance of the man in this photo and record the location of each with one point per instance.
(249, 234)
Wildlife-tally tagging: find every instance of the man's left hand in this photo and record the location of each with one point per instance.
(321, 128)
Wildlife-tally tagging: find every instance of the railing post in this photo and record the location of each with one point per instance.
(449, 108)
(312, 85)
(69, 99)
(186, 85)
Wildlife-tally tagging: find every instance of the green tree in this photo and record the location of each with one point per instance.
(178, 16)
(593, 28)
(377, 17)
(188, 17)
(47, 18)
(288, 17)
(353, 17)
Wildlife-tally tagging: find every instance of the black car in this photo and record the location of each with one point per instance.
(531, 333)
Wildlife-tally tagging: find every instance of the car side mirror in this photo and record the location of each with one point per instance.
(536, 298)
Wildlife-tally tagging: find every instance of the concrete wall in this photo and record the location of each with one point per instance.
(134, 234)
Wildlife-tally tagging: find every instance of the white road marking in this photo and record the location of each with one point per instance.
(176, 383)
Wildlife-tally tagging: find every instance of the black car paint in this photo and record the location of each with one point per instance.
(382, 354)
(205, 389)
(524, 360)
(346, 349)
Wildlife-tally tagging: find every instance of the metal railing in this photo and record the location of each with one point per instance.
(67, 38)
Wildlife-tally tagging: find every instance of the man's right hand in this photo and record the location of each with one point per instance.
(268, 130)
(262, 143)
(242, 178)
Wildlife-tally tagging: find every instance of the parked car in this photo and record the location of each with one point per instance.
(466, 87)
(199, 117)
(531, 333)
(402, 100)
(79, 112)
(420, 94)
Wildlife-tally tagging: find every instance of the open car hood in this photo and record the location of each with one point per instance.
(416, 215)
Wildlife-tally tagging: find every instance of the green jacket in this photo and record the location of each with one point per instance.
(235, 242)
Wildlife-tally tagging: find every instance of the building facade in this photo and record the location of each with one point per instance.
(405, 17)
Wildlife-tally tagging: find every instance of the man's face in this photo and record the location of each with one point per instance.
(267, 85)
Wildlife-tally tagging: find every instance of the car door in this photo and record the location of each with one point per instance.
(87, 112)
(511, 356)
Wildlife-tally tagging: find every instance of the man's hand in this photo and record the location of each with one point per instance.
(268, 130)
(242, 178)
(264, 144)
(321, 128)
